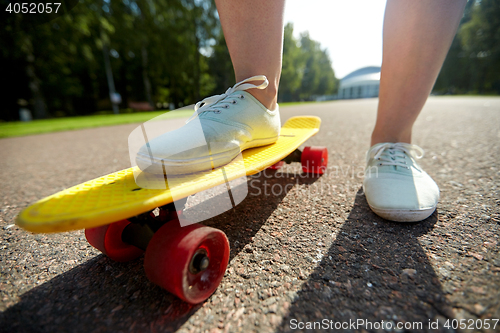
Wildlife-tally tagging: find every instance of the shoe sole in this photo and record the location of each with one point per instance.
(404, 215)
(177, 167)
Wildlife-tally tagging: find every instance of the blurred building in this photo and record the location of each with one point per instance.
(362, 83)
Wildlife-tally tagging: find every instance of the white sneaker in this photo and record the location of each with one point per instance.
(221, 127)
(395, 186)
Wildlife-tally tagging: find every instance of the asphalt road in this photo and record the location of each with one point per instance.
(309, 252)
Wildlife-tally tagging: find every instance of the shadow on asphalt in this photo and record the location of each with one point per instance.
(103, 295)
(375, 270)
(245, 220)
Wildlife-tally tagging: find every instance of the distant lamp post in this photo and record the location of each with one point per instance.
(115, 97)
(24, 113)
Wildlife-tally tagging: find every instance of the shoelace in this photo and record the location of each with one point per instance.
(395, 153)
(212, 103)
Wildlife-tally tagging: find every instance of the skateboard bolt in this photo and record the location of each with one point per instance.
(204, 263)
(199, 262)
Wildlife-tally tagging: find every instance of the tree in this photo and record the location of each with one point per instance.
(473, 62)
(154, 49)
(307, 69)
(292, 68)
(220, 65)
(480, 39)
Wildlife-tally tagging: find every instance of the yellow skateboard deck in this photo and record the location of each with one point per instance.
(116, 196)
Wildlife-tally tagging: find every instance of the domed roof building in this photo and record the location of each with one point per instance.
(362, 83)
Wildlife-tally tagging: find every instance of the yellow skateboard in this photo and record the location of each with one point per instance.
(123, 220)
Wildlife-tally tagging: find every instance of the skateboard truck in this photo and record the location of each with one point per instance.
(313, 159)
(142, 227)
(295, 156)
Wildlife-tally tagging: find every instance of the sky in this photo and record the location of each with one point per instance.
(350, 30)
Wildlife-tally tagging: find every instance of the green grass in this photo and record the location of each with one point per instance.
(298, 103)
(19, 128)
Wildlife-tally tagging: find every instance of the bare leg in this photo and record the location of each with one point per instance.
(417, 36)
(254, 37)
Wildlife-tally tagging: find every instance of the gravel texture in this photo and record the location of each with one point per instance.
(303, 249)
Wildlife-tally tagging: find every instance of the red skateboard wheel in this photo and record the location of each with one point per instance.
(187, 261)
(314, 160)
(108, 240)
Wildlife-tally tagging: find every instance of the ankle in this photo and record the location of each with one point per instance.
(268, 96)
(389, 135)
